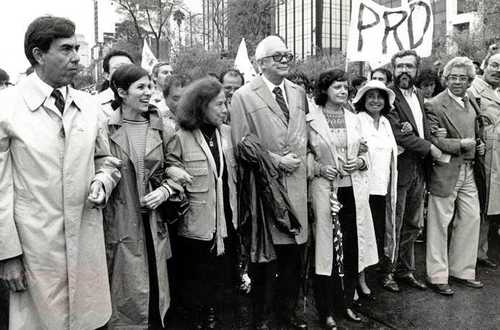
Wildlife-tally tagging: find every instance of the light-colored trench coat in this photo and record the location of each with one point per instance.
(254, 110)
(489, 101)
(124, 230)
(392, 193)
(322, 152)
(47, 163)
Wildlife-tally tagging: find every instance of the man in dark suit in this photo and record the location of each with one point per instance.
(412, 132)
(273, 109)
(453, 192)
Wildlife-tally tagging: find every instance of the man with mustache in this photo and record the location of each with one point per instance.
(56, 171)
(412, 132)
(486, 90)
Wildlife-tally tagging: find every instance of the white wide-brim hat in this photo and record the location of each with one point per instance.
(375, 84)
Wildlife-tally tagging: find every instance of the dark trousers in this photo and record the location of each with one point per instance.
(201, 274)
(377, 207)
(330, 295)
(277, 283)
(409, 221)
(154, 296)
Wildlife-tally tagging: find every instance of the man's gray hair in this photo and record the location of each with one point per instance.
(460, 62)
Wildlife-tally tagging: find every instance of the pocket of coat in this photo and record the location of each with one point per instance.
(200, 179)
(196, 217)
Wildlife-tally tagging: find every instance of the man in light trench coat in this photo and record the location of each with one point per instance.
(55, 170)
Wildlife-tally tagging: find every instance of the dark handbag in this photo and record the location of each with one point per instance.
(175, 207)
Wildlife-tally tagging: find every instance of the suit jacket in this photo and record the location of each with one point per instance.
(254, 110)
(441, 112)
(415, 147)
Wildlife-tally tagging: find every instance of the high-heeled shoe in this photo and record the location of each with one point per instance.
(330, 323)
(352, 316)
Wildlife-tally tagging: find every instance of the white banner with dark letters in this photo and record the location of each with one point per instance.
(377, 32)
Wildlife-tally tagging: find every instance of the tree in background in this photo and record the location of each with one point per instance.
(151, 18)
(179, 16)
(128, 39)
(249, 19)
(198, 62)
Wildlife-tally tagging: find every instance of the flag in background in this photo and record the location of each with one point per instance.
(242, 62)
(148, 58)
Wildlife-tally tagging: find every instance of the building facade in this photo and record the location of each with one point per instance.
(214, 34)
(313, 27)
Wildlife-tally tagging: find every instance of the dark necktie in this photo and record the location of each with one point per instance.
(57, 95)
(281, 102)
(465, 99)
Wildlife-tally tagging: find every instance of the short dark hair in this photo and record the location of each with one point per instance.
(193, 103)
(324, 81)
(123, 77)
(232, 73)
(176, 80)
(427, 76)
(157, 67)
(43, 31)
(4, 76)
(360, 105)
(387, 73)
(113, 53)
(404, 53)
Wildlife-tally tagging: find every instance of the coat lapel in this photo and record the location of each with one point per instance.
(350, 125)
(198, 136)
(449, 108)
(401, 103)
(318, 123)
(260, 88)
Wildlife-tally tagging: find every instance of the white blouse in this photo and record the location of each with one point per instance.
(380, 145)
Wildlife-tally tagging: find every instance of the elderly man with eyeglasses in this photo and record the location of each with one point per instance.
(453, 191)
(273, 109)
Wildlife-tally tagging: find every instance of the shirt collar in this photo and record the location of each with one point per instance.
(271, 86)
(38, 91)
(459, 99)
(408, 92)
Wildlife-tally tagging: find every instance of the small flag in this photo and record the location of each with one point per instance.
(148, 58)
(242, 62)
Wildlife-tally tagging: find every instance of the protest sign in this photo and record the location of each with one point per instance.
(377, 32)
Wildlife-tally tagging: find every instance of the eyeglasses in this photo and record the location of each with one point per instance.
(280, 56)
(494, 65)
(458, 78)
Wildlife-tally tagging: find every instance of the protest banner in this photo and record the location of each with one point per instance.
(148, 58)
(377, 32)
(242, 62)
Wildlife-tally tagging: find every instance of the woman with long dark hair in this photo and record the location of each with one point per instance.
(137, 241)
(345, 240)
(203, 147)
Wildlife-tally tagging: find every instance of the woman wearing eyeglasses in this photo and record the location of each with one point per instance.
(338, 164)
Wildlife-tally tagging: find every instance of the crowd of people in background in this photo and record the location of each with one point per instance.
(161, 195)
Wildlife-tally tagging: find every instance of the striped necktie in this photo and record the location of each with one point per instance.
(281, 102)
(59, 100)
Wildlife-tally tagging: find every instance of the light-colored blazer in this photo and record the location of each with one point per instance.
(322, 152)
(254, 111)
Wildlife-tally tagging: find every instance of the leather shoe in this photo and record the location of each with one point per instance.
(413, 282)
(330, 323)
(488, 263)
(443, 289)
(297, 323)
(389, 283)
(470, 283)
(351, 315)
(262, 325)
